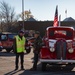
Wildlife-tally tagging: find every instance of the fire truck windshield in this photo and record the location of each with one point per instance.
(60, 34)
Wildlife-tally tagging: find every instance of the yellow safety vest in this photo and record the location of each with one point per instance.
(20, 44)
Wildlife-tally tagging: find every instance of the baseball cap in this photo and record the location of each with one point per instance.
(21, 31)
(37, 32)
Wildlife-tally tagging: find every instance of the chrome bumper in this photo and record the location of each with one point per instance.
(56, 61)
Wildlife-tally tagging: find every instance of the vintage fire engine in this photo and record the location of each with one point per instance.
(58, 46)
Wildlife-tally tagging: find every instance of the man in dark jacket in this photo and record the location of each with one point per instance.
(36, 49)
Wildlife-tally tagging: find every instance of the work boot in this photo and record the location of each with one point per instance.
(22, 68)
(16, 68)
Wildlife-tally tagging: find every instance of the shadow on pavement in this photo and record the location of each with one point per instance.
(7, 54)
(52, 69)
(28, 72)
(12, 72)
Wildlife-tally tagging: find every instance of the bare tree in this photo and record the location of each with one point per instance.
(12, 14)
(1, 22)
(8, 14)
(5, 10)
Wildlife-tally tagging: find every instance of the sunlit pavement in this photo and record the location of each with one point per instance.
(7, 63)
(7, 66)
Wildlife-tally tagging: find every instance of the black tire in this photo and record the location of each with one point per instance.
(0, 50)
(8, 50)
(28, 50)
(44, 66)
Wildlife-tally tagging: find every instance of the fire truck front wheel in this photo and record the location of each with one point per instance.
(44, 66)
(0, 50)
(28, 50)
(8, 50)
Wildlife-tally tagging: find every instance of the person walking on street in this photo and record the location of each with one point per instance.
(36, 49)
(19, 48)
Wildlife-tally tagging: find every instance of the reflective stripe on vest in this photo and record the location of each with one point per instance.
(20, 43)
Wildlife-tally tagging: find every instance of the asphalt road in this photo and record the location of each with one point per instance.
(7, 66)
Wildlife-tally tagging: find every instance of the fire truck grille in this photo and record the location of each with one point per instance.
(61, 49)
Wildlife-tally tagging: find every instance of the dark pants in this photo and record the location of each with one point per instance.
(35, 61)
(17, 59)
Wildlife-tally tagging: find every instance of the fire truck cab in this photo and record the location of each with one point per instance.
(58, 46)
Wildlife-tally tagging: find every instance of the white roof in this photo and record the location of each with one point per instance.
(60, 27)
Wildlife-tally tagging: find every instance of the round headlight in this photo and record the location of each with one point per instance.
(52, 49)
(71, 50)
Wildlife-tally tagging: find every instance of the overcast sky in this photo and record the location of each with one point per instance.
(45, 9)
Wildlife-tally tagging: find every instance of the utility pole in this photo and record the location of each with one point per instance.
(23, 13)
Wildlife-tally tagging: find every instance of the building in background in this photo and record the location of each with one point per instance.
(42, 25)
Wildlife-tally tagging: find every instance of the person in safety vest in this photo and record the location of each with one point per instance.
(36, 49)
(19, 48)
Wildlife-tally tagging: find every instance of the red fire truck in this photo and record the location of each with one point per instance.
(6, 41)
(58, 46)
